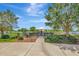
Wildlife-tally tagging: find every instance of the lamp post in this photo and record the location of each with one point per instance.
(41, 31)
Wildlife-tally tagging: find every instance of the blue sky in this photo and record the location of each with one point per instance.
(30, 14)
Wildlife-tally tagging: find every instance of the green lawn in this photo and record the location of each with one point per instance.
(7, 40)
(12, 34)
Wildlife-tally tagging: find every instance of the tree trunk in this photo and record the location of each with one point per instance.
(67, 33)
(66, 29)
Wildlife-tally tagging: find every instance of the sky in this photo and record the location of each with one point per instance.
(30, 14)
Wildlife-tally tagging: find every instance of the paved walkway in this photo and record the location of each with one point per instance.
(38, 48)
(22, 48)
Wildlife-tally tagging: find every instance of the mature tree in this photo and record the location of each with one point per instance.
(23, 30)
(32, 28)
(62, 16)
(7, 20)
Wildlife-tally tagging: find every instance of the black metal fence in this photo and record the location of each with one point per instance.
(38, 33)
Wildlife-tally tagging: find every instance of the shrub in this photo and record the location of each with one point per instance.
(20, 38)
(60, 39)
(14, 37)
(5, 37)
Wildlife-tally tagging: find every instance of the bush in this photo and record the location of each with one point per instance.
(5, 37)
(60, 39)
(20, 38)
(14, 37)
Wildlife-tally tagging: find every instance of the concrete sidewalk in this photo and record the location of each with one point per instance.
(38, 48)
(22, 48)
(14, 49)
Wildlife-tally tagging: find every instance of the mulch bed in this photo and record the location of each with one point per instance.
(28, 39)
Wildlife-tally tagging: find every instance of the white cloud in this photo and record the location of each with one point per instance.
(19, 16)
(39, 20)
(35, 9)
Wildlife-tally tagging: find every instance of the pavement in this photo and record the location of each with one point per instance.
(38, 48)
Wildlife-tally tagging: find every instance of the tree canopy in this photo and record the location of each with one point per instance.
(32, 28)
(63, 16)
(7, 20)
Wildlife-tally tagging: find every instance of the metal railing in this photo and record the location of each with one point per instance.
(38, 33)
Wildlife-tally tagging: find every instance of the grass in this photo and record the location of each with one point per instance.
(12, 34)
(7, 40)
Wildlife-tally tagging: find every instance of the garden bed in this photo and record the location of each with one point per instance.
(9, 38)
(61, 39)
(27, 39)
